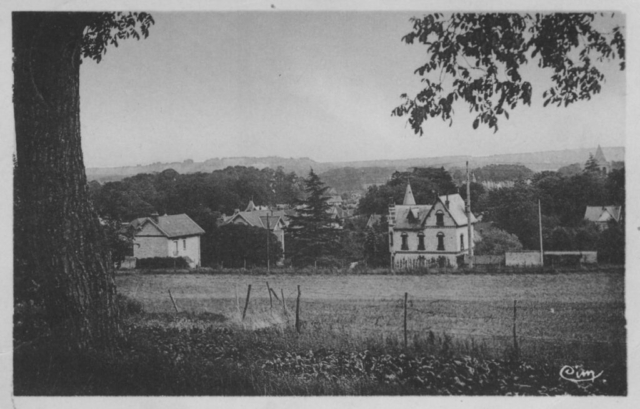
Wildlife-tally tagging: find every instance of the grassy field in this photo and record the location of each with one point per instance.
(351, 342)
(565, 318)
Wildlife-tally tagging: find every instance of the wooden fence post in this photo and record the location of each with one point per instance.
(173, 301)
(284, 303)
(298, 311)
(270, 299)
(246, 304)
(515, 338)
(235, 287)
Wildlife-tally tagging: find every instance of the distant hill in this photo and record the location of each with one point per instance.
(536, 161)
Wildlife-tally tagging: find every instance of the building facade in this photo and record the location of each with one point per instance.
(167, 236)
(429, 235)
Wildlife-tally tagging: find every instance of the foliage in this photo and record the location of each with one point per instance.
(311, 231)
(426, 183)
(502, 173)
(615, 184)
(162, 262)
(591, 166)
(515, 210)
(479, 59)
(376, 245)
(107, 28)
(611, 244)
(496, 241)
(560, 239)
(570, 170)
(119, 240)
(237, 245)
(350, 179)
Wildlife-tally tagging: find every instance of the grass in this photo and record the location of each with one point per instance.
(351, 341)
(555, 312)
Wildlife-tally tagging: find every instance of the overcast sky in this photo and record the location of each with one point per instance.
(301, 84)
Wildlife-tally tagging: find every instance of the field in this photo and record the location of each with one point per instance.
(564, 318)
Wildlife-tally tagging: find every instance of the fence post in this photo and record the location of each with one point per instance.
(515, 338)
(405, 319)
(173, 301)
(269, 291)
(298, 311)
(235, 287)
(246, 304)
(284, 304)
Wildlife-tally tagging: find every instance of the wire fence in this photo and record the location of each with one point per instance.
(527, 323)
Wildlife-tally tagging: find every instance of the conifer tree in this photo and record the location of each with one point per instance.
(591, 166)
(311, 230)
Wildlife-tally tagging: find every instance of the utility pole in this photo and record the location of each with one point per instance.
(268, 234)
(540, 224)
(468, 208)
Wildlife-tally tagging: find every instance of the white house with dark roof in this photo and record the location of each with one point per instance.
(428, 234)
(167, 236)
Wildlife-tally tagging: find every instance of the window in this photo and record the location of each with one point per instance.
(176, 243)
(405, 246)
(440, 241)
(439, 218)
(391, 239)
(184, 244)
(420, 241)
(462, 242)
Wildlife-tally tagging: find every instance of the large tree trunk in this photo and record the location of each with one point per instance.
(61, 262)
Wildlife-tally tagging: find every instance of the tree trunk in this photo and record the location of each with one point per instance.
(61, 261)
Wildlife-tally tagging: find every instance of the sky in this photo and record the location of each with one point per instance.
(302, 84)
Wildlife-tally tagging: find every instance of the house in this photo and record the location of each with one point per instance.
(602, 215)
(167, 236)
(261, 216)
(429, 234)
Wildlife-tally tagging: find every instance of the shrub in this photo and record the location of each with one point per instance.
(162, 262)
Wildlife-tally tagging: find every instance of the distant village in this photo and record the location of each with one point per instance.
(419, 219)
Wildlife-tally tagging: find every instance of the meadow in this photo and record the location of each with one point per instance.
(562, 318)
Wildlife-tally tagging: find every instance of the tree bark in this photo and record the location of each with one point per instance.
(60, 258)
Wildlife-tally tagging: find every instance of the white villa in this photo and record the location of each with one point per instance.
(429, 234)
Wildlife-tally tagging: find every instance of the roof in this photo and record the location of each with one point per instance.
(602, 213)
(408, 196)
(600, 156)
(374, 219)
(413, 217)
(176, 225)
(257, 219)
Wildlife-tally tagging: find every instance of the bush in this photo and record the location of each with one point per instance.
(162, 262)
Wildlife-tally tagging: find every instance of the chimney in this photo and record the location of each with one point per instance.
(154, 217)
(446, 203)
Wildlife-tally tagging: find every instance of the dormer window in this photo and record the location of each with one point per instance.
(439, 218)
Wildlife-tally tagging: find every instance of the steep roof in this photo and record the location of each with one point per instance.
(408, 196)
(457, 209)
(600, 156)
(176, 225)
(413, 217)
(602, 213)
